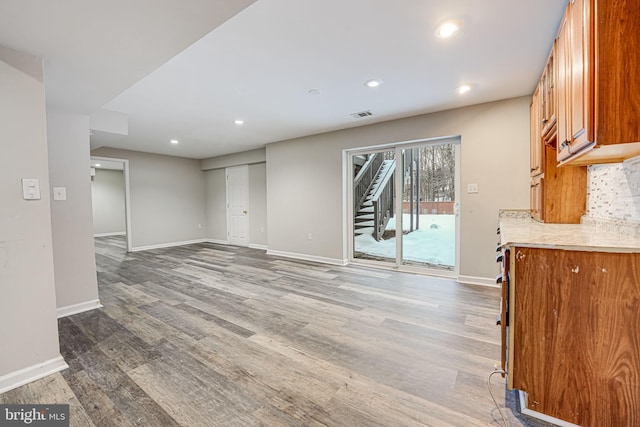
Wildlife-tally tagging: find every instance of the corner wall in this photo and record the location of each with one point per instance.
(28, 325)
(307, 173)
(72, 224)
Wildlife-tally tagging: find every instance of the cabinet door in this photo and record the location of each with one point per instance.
(536, 192)
(547, 104)
(536, 139)
(581, 76)
(574, 334)
(563, 70)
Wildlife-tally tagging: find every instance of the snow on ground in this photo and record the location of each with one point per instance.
(433, 243)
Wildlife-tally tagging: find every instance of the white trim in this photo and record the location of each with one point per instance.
(305, 257)
(217, 241)
(169, 245)
(78, 308)
(31, 373)
(530, 412)
(257, 246)
(115, 233)
(473, 280)
(397, 147)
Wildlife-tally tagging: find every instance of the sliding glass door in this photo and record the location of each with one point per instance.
(405, 205)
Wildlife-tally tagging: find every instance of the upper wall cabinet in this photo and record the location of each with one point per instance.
(598, 82)
(547, 98)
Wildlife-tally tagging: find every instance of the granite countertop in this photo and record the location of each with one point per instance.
(517, 228)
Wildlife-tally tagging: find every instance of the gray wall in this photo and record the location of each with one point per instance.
(307, 173)
(216, 204)
(107, 195)
(258, 204)
(28, 326)
(237, 159)
(167, 197)
(216, 200)
(73, 246)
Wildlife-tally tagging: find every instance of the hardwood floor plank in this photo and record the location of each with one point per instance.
(49, 390)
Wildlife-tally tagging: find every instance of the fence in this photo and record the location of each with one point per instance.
(430, 208)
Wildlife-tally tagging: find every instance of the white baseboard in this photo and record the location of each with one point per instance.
(526, 411)
(305, 257)
(473, 280)
(218, 241)
(261, 247)
(169, 245)
(116, 233)
(78, 308)
(31, 373)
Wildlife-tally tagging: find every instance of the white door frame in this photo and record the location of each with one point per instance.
(348, 182)
(127, 197)
(246, 204)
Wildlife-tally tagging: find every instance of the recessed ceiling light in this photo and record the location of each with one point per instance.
(447, 29)
(238, 122)
(373, 83)
(314, 92)
(463, 89)
(174, 141)
(97, 165)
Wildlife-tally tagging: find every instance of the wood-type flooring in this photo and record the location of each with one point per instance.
(213, 335)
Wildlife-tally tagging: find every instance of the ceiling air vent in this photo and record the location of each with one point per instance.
(361, 114)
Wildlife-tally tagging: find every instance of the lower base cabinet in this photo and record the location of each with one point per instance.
(574, 334)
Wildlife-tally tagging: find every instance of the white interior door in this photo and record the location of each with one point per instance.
(238, 205)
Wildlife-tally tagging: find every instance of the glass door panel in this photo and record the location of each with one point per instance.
(374, 206)
(428, 200)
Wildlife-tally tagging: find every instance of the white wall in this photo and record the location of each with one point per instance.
(108, 200)
(28, 326)
(308, 173)
(72, 225)
(167, 197)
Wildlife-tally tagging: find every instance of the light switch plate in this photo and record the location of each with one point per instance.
(30, 189)
(59, 193)
(472, 188)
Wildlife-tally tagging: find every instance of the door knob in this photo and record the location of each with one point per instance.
(244, 212)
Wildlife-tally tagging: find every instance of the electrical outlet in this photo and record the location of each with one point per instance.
(309, 236)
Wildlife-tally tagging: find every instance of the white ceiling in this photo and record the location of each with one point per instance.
(179, 71)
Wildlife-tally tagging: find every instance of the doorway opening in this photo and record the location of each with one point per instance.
(403, 206)
(110, 198)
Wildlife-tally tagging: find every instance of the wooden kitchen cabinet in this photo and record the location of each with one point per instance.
(574, 334)
(557, 195)
(536, 197)
(597, 82)
(547, 97)
(535, 158)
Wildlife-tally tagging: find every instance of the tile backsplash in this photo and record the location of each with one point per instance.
(613, 191)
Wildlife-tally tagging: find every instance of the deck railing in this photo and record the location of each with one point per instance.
(383, 202)
(363, 181)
